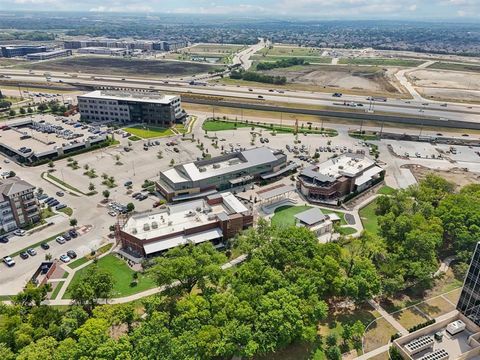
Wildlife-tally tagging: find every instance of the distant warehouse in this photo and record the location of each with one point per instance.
(151, 108)
(205, 177)
(49, 54)
(339, 178)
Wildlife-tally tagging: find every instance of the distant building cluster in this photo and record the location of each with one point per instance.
(18, 204)
(9, 51)
(151, 108)
(126, 45)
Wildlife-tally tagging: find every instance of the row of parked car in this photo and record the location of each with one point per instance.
(51, 201)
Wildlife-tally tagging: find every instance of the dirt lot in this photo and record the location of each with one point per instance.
(120, 66)
(447, 85)
(372, 79)
(457, 176)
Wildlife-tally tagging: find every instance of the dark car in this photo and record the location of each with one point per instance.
(71, 254)
(54, 203)
(24, 255)
(60, 193)
(73, 233)
(4, 239)
(67, 236)
(45, 246)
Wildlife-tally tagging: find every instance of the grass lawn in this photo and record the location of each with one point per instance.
(77, 263)
(455, 66)
(68, 211)
(134, 138)
(290, 51)
(55, 291)
(382, 62)
(386, 190)
(64, 184)
(436, 307)
(454, 295)
(410, 317)
(369, 218)
(308, 59)
(284, 215)
(378, 334)
(148, 132)
(346, 230)
(215, 125)
(46, 213)
(122, 275)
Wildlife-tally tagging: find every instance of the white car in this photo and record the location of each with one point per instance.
(65, 258)
(60, 240)
(8, 261)
(112, 213)
(19, 232)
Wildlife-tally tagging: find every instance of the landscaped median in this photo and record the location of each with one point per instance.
(219, 124)
(65, 186)
(148, 132)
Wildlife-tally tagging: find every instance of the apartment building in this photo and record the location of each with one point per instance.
(18, 205)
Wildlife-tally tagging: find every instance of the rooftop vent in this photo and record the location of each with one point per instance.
(154, 225)
(202, 169)
(216, 166)
(146, 227)
(134, 230)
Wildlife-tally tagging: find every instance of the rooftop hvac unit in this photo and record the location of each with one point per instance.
(190, 213)
(360, 166)
(170, 223)
(134, 230)
(207, 210)
(340, 167)
(154, 225)
(216, 166)
(202, 169)
(211, 217)
(198, 209)
(146, 227)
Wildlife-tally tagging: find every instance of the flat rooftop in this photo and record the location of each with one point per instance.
(349, 165)
(179, 217)
(221, 165)
(130, 96)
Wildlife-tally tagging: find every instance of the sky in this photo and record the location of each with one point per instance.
(456, 10)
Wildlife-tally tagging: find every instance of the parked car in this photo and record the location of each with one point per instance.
(60, 240)
(4, 239)
(31, 252)
(128, 183)
(65, 258)
(71, 254)
(67, 236)
(24, 255)
(44, 246)
(60, 207)
(8, 261)
(19, 232)
(112, 213)
(54, 203)
(73, 233)
(60, 193)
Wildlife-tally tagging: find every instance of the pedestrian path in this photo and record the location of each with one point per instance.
(399, 327)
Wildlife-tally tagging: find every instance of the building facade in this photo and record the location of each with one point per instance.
(215, 219)
(223, 172)
(49, 55)
(18, 205)
(125, 107)
(10, 51)
(126, 44)
(469, 302)
(333, 180)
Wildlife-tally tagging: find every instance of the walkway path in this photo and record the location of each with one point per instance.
(399, 327)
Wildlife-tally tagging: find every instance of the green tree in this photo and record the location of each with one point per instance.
(42, 107)
(23, 111)
(12, 112)
(130, 207)
(333, 353)
(91, 187)
(73, 222)
(106, 194)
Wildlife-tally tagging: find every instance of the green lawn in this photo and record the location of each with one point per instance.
(308, 59)
(285, 215)
(346, 230)
(386, 190)
(215, 125)
(148, 132)
(455, 66)
(68, 211)
(122, 275)
(77, 263)
(381, 62)
(369, 218)
(64, 184)
(57, 289)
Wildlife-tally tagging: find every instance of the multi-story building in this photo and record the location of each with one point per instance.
(49, 54)
(150, 108)
(469, 302)
(98, 50)
(18, 204)
(339, 177)
(217, 218)
(10, 51)
(204, 177)
(126, 44)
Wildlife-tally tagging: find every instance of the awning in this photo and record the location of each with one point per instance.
(287, 168)
(241, 179)
(169, 243)
(194, 195)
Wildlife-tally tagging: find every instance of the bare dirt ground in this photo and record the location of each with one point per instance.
(458, 176)
(373, 79)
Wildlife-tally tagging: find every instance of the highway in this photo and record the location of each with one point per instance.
(412, 108)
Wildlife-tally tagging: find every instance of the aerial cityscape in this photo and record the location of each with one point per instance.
(240, 180)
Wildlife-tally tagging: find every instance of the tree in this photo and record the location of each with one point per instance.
(106, 194)
(32, 295)
(5, 104)
(42, 107)
(91, 187)
(51, 164)
(23, 111)
(30, 110)
(331, 339)
(190, 266)
(172, 162)
(73, 222)
(130, 207)
(12, 112)
(96, 284)
(333, 353)
(40, 190)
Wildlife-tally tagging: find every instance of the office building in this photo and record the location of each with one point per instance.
(469, 302)
(143, 45)
(10, 51)
(204, 177)
(97, 50)
(18, 204)
(49, 54)
(216, 218)
(139, 107)
(339, 177)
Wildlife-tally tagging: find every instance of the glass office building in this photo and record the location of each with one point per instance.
(469, 302)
